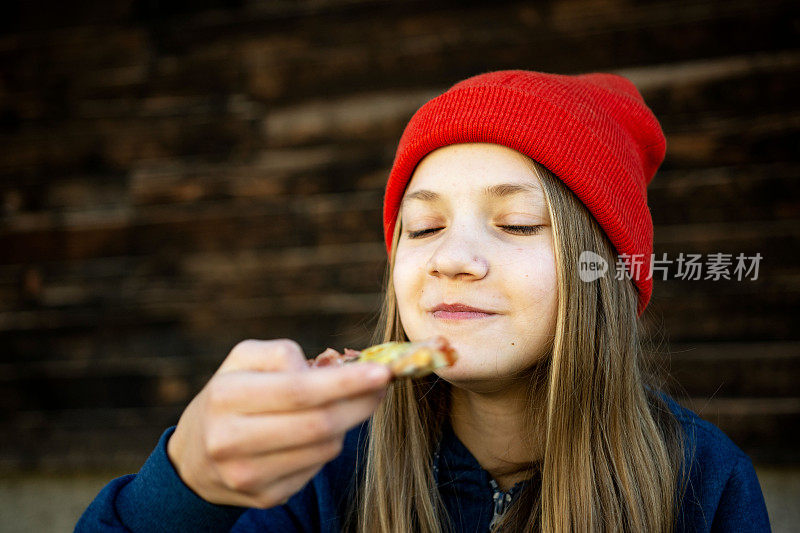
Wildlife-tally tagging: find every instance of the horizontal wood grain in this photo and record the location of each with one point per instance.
(178, 177)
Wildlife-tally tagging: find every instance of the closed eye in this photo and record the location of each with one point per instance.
(522, 230)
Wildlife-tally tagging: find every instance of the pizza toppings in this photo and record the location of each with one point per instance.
(412, 359)
(331, 357)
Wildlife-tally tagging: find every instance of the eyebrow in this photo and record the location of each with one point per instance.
(500, 190)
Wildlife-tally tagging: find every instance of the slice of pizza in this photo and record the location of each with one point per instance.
(412, 359)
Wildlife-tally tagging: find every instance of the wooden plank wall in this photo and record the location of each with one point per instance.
(177, 177)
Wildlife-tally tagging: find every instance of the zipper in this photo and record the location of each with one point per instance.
(502, 500)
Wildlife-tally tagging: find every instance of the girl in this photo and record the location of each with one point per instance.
(545, 423)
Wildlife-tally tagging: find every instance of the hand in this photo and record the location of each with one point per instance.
(266, 423)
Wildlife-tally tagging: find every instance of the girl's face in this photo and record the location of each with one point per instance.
(479, 235)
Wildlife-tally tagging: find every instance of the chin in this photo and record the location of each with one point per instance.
(465, 374)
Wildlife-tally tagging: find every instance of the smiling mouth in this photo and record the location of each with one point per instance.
(461, 315)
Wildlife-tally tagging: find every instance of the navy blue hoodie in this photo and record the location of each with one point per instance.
(723, 493)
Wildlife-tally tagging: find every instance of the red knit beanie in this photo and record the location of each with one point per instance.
(593, 131)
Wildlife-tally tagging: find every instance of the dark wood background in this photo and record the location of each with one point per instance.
(177, 177)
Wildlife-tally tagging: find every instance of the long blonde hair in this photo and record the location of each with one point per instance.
(612, 449)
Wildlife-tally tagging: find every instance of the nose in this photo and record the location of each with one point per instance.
(458, 256)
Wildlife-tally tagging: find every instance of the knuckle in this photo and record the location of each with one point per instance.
(244, 346)
(318, 426)
(216, 393)
(333, 448)
(298, 393)
(218, 446)
(271, 497)
(239, 476)
(288, 349)
(221, 442)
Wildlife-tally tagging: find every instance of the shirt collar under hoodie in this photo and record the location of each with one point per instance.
(471, 496)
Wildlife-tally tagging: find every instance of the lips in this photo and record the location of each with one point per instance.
(459, 312)
(459, 308)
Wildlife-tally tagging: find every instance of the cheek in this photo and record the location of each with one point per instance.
(548, 291)
(537, 267)
(546, 276)
(404, 281)
(408, 265)
(408, 295)
(539, 282)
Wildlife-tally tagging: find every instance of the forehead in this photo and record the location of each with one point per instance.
(483, 169)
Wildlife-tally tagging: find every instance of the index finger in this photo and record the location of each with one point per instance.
(273, 392)
(264, 356)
